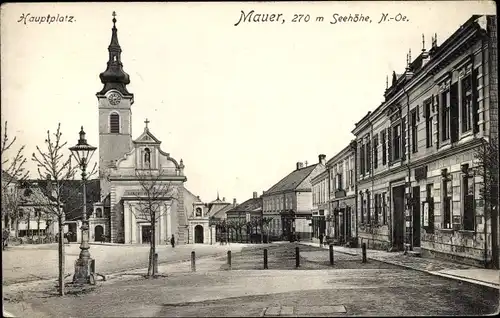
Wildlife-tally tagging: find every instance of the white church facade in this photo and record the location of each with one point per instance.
(135, 174)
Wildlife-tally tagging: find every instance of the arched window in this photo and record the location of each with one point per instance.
(198, 211)
(98, 213)
(147, 157)
(114, 123)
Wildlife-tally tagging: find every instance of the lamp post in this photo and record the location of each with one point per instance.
(82, 152)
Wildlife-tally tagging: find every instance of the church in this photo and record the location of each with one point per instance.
(126, 163)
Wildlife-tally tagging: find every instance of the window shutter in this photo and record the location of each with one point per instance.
(454, 107)
(389, 143)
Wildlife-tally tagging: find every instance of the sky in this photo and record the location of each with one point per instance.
(239, 104)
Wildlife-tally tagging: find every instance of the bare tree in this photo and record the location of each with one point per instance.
(264, 223)
(154, 194)
(55, 168)
(487, 167)
(13, 172)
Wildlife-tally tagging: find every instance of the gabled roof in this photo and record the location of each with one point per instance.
(72, 195)
(292, 180)
(221, 213)
(250, 205)
(147, 137)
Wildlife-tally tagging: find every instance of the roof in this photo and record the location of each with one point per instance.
(72, 195)
(221, 213)
(254, 204)
(292, 180)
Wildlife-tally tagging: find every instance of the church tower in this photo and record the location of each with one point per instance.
(115, 113)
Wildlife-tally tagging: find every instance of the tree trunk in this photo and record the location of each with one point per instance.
(153, 247)
(17, 228)
(61, 256)
(29, 227)
(38, 230)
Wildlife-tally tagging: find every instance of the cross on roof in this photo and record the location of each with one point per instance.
(146, 122)
(114, 14)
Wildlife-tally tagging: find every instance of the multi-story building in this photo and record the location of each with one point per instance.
(418, 178)
(249, 216)
(289, 202)
(320, 207)
(341, 170)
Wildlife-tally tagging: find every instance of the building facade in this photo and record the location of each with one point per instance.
(342, 219)
(289, 202)
(419, 183)
(248, 216)
(320, 205)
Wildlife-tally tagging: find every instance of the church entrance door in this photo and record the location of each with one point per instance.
(198, 234)
(146, 234)
(99, 233)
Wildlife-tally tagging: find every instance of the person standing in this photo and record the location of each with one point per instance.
(321, 240)
(172, 241)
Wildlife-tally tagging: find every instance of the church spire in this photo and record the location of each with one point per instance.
(114, 77)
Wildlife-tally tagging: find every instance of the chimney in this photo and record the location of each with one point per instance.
(255, 195)
(322, 159)
(299, 165)
(234, 202)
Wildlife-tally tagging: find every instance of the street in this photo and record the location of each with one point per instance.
(349, 288)
(29, 263)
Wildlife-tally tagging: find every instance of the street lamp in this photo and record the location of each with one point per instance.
(82, 152)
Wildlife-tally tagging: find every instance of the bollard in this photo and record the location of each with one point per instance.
(155, 264)
(229, 259)
(193, 262)
(265, 258)
(363, 248)
(297, 257)
(331, 254)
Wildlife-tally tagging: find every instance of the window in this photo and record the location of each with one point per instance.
(428, 124)
(368, 156)
(414, 141)
(403, 138)
(339, 181)
(445, 115)
(38, 212)
(454, 113)
(362, 207)
(198, 212)
(466, 119)
(468, 199)
(368, 206)
(396, 142)
(447, 193)
(375, 152)
(351, 177)
(114, 123)
(98, 213)
(384, 209)
(384, 149)
(362, 159)
(377, 208)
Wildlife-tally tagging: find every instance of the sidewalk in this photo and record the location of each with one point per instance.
(475, 275)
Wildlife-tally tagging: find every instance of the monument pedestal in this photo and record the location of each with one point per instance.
(83, 271)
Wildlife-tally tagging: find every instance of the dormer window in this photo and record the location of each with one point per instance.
(198, 212)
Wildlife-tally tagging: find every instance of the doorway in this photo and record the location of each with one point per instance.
(146, 234)
(347, 220)
(398, 201)
(198, 234)
(416, 216)
(99, 233)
